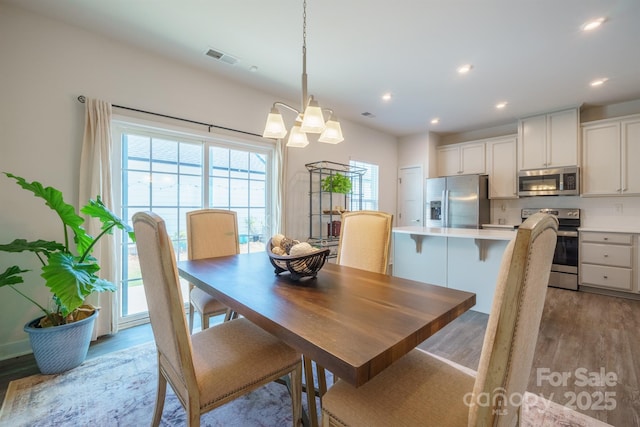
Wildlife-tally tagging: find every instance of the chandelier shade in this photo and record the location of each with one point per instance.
(310, 118)
(297, 138)
(332, 133)
(275, 127)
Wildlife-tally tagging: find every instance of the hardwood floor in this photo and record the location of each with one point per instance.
(578, 330)
(580, 334)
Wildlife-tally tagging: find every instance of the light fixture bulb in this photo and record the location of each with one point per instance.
(312, 119)
(332, 133)
(297, 138)
(599, 82)
(274, 128)
(592, 25)
(464, 69)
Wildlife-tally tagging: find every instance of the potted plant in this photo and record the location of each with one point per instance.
(337, 183)
(70, 273)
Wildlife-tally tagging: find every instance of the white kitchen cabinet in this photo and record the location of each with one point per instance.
(611, 154)
(608, 261)
(461, 159)
(502, 167)
(549, 140)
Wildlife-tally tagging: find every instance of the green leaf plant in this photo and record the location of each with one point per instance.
(70, 275)
(337, 183)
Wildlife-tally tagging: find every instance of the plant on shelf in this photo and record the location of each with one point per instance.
(69, 276)
(337, 183)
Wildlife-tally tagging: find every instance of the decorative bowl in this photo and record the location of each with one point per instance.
(301, 266)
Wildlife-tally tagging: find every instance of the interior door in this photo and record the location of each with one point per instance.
(410, 197)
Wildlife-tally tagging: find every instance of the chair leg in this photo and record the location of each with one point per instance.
(160, 396)
(311, 391)
(193, 414)
(204, 320)
(322, 381)
(228, 315)
(296, 395)
(191, 309)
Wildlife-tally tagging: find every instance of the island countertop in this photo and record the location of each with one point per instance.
(468, 233)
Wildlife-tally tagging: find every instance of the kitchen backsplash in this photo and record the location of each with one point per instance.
(606, 212)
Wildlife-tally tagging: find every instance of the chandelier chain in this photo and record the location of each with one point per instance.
(304, 25)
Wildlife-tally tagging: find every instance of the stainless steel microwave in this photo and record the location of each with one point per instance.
(549, 182)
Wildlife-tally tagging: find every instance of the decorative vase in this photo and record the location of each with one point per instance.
(60, 348)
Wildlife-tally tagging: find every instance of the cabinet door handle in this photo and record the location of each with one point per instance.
(605, 238)
(606, 255)
(606, 277)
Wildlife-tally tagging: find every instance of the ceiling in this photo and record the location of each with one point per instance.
(531, 54)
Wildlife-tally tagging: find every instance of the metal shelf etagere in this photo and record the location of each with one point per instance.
(324, 206)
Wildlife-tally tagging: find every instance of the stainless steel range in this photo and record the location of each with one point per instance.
(564, 270)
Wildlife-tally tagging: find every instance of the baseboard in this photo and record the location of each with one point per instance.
(15, 349)
(609, 292)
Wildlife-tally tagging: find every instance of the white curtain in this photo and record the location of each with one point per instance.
(95, 179)
(281, 177)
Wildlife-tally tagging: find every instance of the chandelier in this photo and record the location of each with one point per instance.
(311, 119)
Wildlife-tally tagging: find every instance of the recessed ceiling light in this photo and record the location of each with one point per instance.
(593, 24)
(599, 82)
(464, 69)
(386, 96)
(501, 105)
(435, 121)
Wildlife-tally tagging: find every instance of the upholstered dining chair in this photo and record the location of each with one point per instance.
(216, 365)
(422, 389)
(364, 243)
(365, 238)
(210, 233)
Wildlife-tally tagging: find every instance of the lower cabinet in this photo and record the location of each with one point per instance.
(608, 260)
(458, 263)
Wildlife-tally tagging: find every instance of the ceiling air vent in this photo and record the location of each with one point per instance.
(221, 56)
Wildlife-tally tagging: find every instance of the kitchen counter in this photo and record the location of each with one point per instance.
(459, 258)
(465, 233)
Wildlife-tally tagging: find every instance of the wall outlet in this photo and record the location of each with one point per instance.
(618, 208)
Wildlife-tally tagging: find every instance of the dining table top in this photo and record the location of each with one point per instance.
(353, 322)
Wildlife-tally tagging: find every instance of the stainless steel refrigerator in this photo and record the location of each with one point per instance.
(458, 201)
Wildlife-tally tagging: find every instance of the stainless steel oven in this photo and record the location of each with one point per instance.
(564, 270)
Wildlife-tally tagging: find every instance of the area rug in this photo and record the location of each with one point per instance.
(119, 389)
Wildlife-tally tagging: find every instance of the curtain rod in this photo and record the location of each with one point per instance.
(83, 99)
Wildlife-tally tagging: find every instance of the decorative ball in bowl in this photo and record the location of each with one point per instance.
(299, 259)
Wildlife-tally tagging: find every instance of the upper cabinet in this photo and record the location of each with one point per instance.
(461, 159)
(610, 157)
(501, 167)
(548, 140)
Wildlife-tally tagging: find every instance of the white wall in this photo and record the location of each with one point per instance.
(419, 150)
(45, 65)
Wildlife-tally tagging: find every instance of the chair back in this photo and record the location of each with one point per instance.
(164, 300)
(365, 237)
(512, 329)
(212, 233)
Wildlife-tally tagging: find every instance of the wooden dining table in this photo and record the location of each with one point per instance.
(353, 322)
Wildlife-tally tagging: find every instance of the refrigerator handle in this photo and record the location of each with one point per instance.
(445, 208)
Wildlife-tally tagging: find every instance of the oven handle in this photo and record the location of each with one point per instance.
(563, 233)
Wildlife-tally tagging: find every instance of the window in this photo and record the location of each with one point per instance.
(369, 189)
(170, 174)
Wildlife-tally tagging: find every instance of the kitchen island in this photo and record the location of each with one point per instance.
(458, 258)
